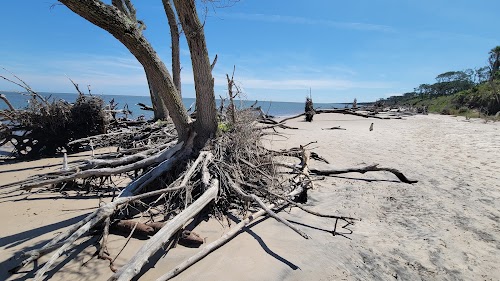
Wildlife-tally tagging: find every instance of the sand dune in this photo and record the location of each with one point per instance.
(445, 227)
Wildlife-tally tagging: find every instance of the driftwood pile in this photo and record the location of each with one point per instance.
(173, 183)
(46, 125)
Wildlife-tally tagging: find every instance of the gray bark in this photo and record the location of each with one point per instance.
(174, 35)
(129, 33)
(206, 119)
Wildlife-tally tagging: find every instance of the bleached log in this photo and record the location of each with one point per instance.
(65, 239)
(96, 137)
(256, 199)
(96, 163)
(103, 212)
(168, 153)
(7, 102)
(134, 266)
(137, 185)
(221, 241)
(213, 246)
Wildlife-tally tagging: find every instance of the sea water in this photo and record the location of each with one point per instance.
(277, 109)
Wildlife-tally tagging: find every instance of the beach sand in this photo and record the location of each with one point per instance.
(445, 227)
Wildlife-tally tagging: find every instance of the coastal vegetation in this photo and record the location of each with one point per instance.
(470, 92)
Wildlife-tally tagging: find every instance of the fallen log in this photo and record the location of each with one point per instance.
(65, 239)
(362, 170)
(209, 248)
(334, 128)
(213, 246)
(126, 226)
(166, 154)
(134, 266)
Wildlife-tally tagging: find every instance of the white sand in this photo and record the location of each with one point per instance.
(446, 227)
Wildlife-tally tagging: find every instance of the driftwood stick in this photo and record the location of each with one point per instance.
(107, 171)
(334, 128)
(189, 175)
(55, 243)
(290, 118)
(213, 246)
(97, 163)
(278, 218)
(219, 242)
(103, 248)
(362, 170)
(64, 240)
(102, 213)
(137, 185)
(205, 174)
(134, 266)
(253, 197)
(4, 98)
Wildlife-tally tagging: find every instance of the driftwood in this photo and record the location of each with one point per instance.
(214, 245)
(126, 226)
(352, 112)
(362, 170)
(156, 225)
(145, 107)
(64, 240)
(334, 128)
(165, 155)
(190, 239)
(7, 102)
(235, 230)
(133, 267)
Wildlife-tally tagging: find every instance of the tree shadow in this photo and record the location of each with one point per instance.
(21, 237)
(269, 251)
(261, 242)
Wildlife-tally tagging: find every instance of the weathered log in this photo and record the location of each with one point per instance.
(165, 155)
(98, 163)
(156, 225)
(213, 246)
(290, 118)
(190, 239)
(219, 242)
(126, 226)
(362, 170)
(334, 128)
(7, 102)
(65, 239)
(155, 243)
(256, 199)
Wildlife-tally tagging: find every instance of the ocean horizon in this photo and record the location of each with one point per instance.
(274, 108)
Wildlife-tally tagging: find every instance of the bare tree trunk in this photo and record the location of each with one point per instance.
(159, 108)
(206, 118)
(129, 32)
(174, 34)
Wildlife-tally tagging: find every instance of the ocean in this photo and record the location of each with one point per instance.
(277, 109)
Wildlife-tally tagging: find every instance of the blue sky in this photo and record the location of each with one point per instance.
(340, 49)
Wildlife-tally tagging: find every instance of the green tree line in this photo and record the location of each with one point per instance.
(468, 89)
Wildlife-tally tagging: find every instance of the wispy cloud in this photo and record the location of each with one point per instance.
(309, 21)
(318, 84)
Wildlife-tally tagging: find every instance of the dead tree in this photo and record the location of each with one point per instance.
(174, 36)
(309, 110)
